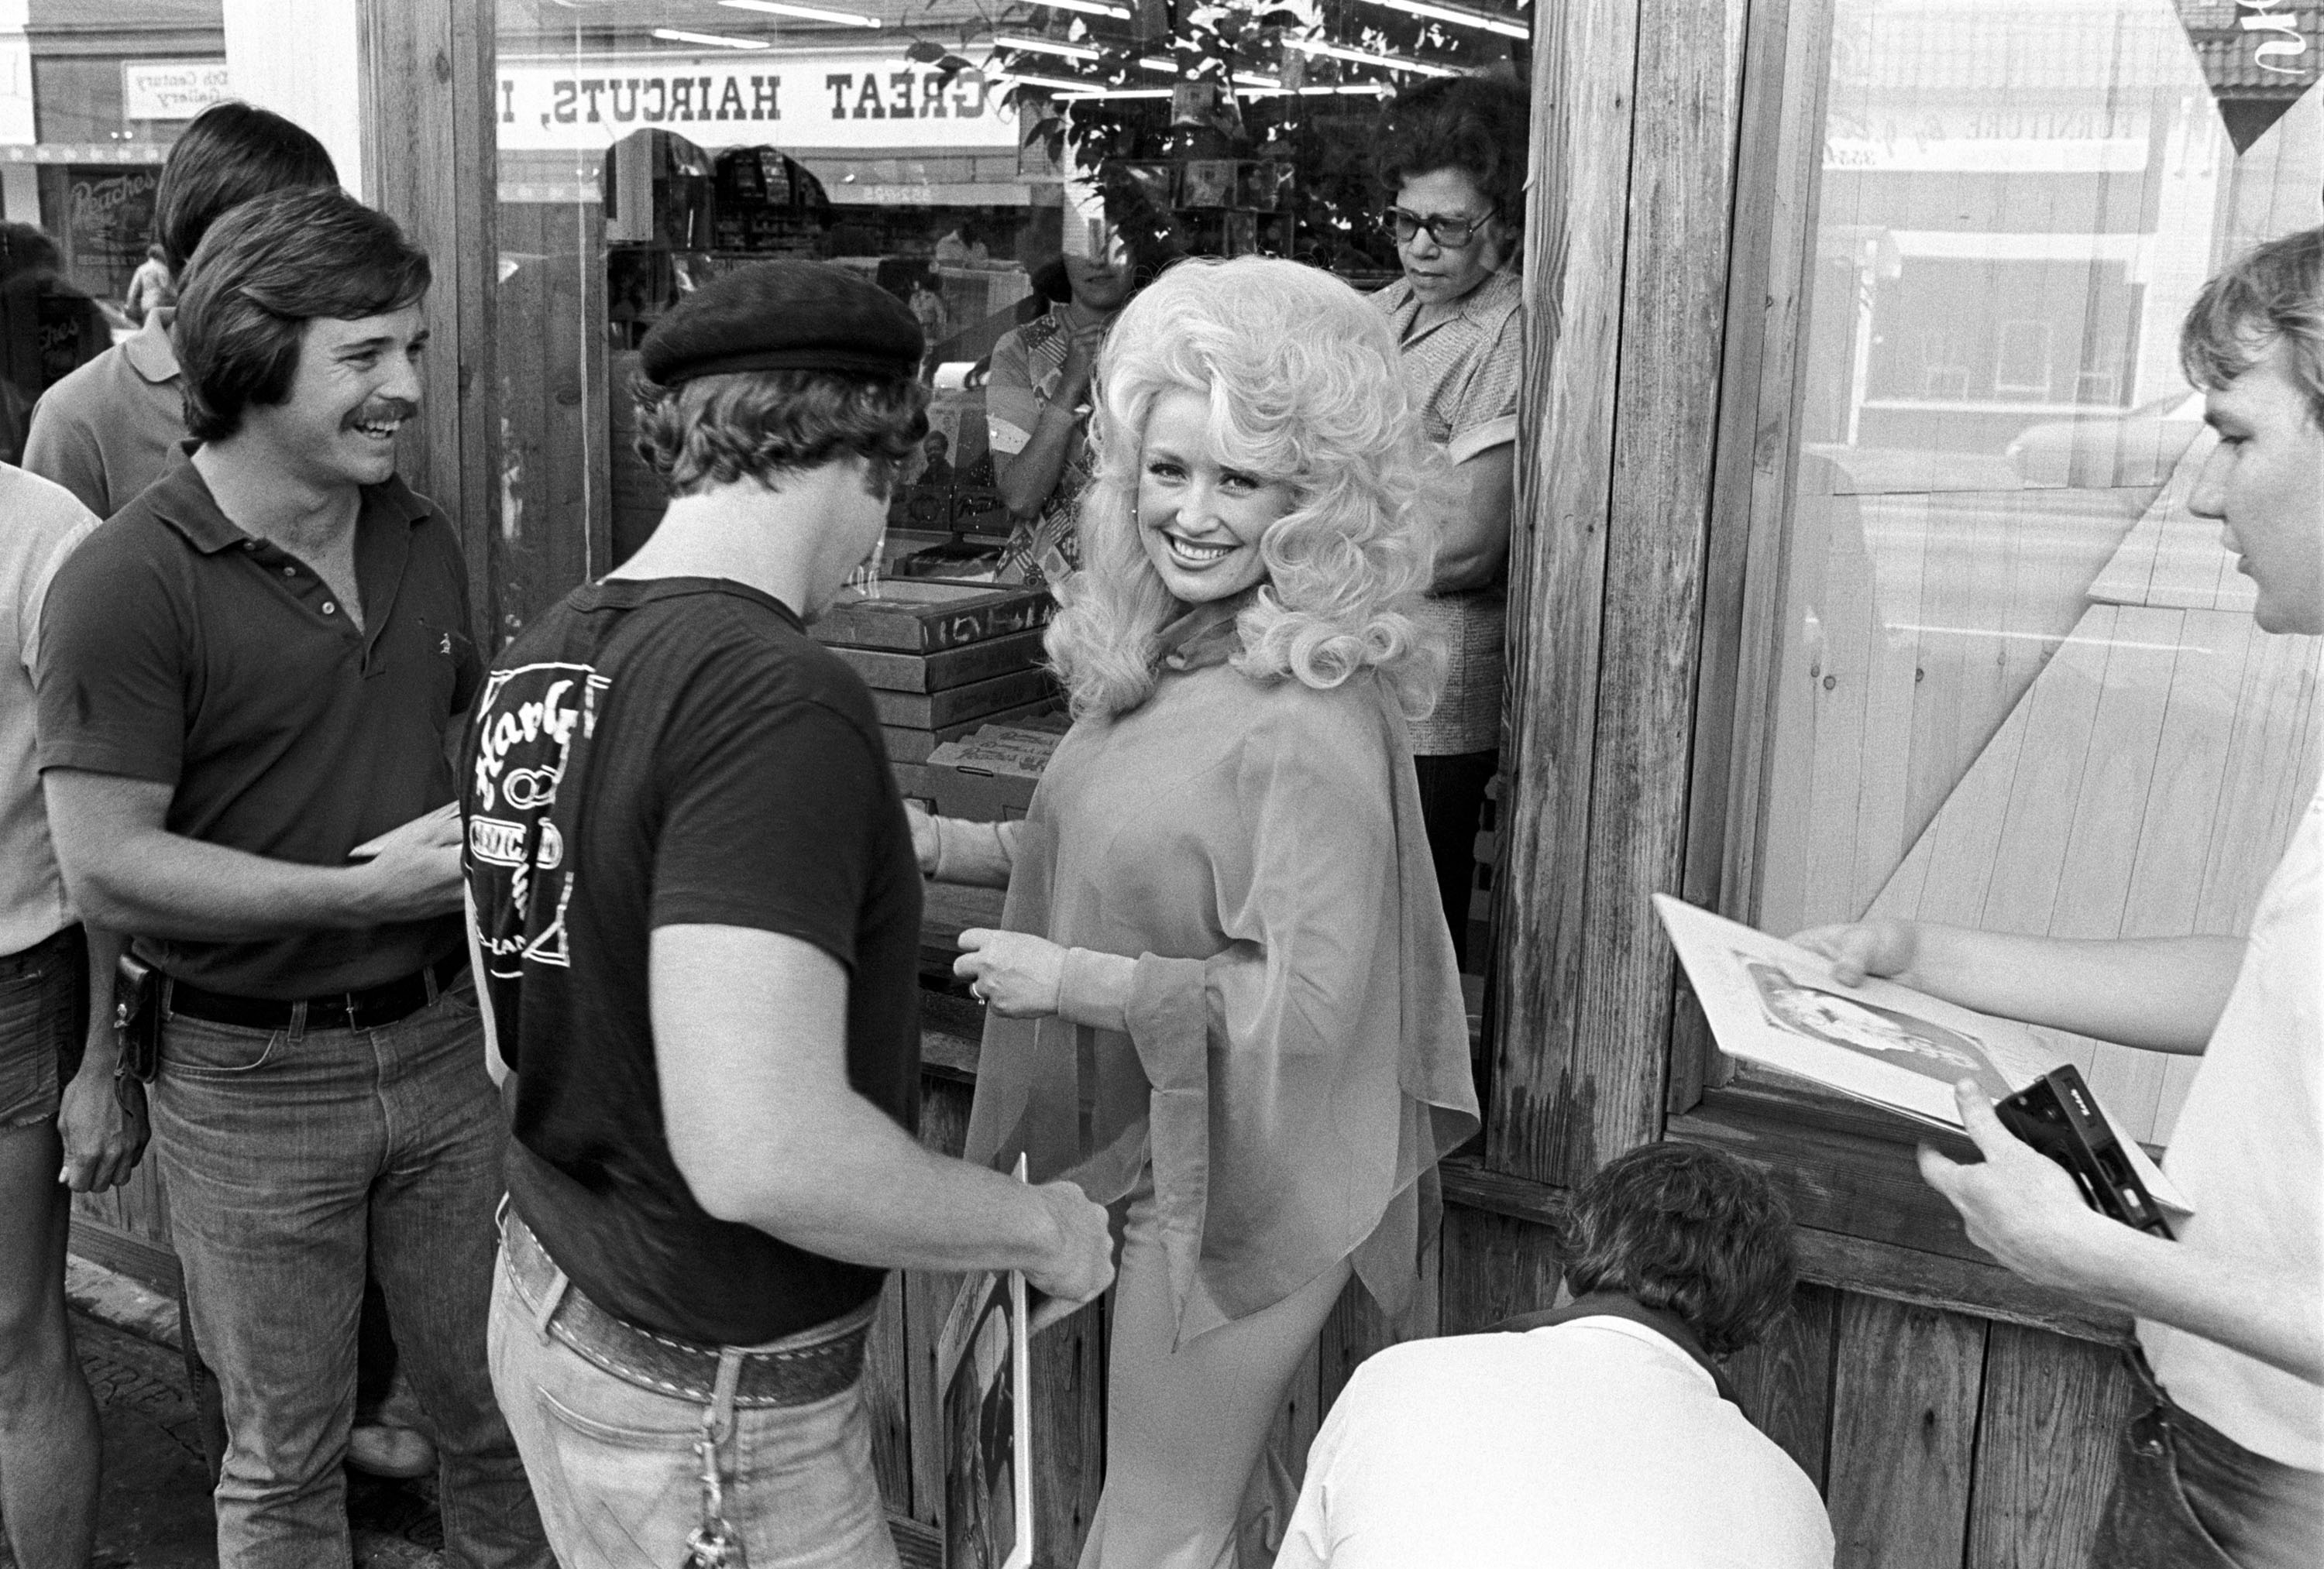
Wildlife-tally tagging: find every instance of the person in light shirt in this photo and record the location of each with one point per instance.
(2223, 1461)
(1602, 1435)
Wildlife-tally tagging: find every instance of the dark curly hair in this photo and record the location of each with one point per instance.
(2272, 293)
(1476, 124)
(761, 424)
(1688, 1230)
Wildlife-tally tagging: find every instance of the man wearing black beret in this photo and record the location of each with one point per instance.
(697, 914)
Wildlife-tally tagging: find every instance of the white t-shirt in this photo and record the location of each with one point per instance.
(2248, 1153)
(40, 524)
(1595, 1444)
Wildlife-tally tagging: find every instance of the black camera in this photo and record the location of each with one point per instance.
(2058, 1116)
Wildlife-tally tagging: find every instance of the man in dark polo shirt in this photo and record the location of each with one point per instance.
(248, 675)
(106, 431)
(698, 912)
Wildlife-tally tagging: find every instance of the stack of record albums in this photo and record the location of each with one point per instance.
(954, 668)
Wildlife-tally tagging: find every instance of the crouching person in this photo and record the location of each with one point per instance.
(1599, 1436)
(698, 915)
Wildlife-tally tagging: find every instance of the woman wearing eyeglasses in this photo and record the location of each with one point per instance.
(1452, 154)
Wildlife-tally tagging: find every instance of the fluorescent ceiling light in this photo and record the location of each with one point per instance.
(1088, 8)
(1459, 16)
(1356, 90)
(804, 13)
(715, 39)
(1052, 84)
(1394, 63)
(1043, 46)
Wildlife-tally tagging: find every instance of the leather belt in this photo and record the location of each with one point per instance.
(368, 1009)
(799, 1370)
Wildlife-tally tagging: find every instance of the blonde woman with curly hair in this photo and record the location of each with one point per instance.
(1224, 999)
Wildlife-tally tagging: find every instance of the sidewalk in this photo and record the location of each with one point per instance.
(155, 1512)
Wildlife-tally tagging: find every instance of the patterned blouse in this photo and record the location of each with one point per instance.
(1028, 369)
(1462, 365)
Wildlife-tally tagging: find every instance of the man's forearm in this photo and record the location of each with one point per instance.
(847, 1183)
(2246, 1305)
(2164, 994)
(102, 1047)
(159, 884)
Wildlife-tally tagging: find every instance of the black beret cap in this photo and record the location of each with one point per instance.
(783, 315)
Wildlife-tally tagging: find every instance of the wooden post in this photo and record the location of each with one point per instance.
(1626, 284)
(429, 162)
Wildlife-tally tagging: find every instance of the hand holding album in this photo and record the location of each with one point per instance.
(1782, 1006)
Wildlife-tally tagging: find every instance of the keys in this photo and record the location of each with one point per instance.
(713, 1543)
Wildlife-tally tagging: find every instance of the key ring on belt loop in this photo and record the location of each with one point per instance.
(717, 1427)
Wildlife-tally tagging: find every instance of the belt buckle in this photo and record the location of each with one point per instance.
(351, 1012)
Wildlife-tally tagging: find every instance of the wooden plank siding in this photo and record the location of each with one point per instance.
(1625, 290)
(2061, 1406)
(429, 153)
(1786, 1379)
(1540, 1118)
(1905, 1382)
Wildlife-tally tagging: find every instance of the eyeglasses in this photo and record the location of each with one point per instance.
(1451, 234)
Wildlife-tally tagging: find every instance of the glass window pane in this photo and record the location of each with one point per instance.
(2018, 685)
(981, 163)
(956, 153)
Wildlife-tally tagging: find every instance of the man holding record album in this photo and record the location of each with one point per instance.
(2223, 1462)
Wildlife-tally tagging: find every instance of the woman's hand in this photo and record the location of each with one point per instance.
(1080, 368)
(1016, 973)
(102, 1122)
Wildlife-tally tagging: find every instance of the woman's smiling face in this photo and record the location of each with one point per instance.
(1200, 518)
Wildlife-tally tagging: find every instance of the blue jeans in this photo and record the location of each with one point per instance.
(620, 1482)
(292, 1158)
(2190, 1497)
(44, 998)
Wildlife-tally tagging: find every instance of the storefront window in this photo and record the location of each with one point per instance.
(980, 163)
(955, 153)
(99, 95)
(2018, 685)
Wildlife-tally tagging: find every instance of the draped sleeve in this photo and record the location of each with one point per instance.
(1291, 1051)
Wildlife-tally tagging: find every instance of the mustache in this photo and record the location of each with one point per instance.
(386, 408)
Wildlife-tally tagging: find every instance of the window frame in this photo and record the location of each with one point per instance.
(1646, 578)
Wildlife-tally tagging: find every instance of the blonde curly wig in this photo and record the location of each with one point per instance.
(1303, 384)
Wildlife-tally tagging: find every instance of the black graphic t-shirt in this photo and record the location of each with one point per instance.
(674, 752)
